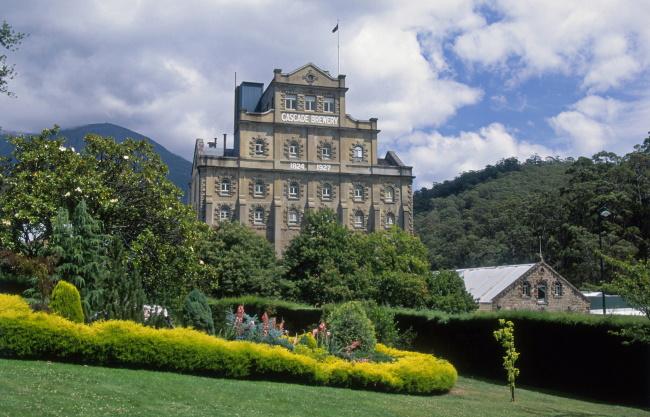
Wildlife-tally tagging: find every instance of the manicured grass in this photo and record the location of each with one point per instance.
(32, 388)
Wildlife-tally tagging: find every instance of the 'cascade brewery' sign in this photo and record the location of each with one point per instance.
(310, 118)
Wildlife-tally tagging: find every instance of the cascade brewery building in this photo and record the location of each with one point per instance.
(296, 149)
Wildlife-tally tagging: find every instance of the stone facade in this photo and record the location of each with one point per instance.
(296, 149)
(546, 291)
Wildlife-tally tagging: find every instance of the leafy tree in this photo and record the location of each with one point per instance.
(197, 313)
(447, 293)
(37, 271)
(244, 262)
(506, 335)
(9, 40)
(66, 302)
(124, 186)
(320, 260)
(351, 326)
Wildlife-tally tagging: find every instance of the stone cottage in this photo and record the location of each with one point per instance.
(523, 287)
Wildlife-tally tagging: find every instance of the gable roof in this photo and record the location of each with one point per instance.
(486, 283)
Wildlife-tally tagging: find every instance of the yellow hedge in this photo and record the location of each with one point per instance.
(35, 335)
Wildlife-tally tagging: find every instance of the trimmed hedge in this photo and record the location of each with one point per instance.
(36, 335)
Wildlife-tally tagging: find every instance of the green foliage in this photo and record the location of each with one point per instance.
(319, 259)
(350, 325)
(124, 187)
(66, 302)
(244, 262)
(508, 216)
(37, 271)
(127, 344)
(197, 313)
(506, 335)
(9, 40)
(447, 293)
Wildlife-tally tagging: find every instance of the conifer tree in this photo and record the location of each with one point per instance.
(66, 302)
(197, 313)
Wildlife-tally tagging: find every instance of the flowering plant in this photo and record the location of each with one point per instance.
(244, 327)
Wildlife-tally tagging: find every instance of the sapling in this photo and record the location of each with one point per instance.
(506, 335)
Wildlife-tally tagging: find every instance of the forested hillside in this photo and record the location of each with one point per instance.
(507, 213)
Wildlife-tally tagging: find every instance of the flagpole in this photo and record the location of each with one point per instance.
(338, 48)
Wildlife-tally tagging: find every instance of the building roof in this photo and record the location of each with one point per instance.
(486, 283)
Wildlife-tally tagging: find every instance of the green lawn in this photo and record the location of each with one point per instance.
(29, 388)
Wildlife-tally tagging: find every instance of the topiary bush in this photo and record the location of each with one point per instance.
(66, 302)
(197, 313)
(350, 326)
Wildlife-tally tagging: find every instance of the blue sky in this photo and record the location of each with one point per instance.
(456, 85)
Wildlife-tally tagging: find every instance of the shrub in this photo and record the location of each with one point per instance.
(351, 326)
(125, 343)
(66, 302)
(197, 313)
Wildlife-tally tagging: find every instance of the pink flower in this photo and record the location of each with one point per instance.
(322, 327)
(314, 332)
(281, 325)
(240, 311)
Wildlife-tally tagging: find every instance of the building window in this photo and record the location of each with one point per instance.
(293, 190)
(327, 192)
(328, 105)
(358, 220)
(259, 189)
(327, 152)
(541, 292)
(390, 220)
(292, 218)
(389, 194)
(358, 192)
(258, 217)
(358, 154)
(558, 289)
(224, 214)
(259, 147)
(525, 289)
(290, 101)
(225, 187)
(310, 103)
(293, 150)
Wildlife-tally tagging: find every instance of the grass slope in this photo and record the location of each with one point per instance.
(29, 388)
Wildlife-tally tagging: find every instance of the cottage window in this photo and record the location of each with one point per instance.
(558, 289)
(525, 289)
(541, 292)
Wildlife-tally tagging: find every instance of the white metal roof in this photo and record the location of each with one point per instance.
(486, 283)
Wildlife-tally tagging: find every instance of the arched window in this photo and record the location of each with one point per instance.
(327, 152)
(258, 216)
(259, 147)
(358, 153)
(525, 289)
(358, 220)
(327, 192)
(558, 288)
(224, 214)
(390, 220)
(358, 192)
(292, 218)
(293, 150)
(389, 194)
(225, 187)
(293, 190)
(259, 189)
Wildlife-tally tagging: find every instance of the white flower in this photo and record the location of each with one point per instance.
(126, 157)
(113, 200)
(6, 223)
(78, 189)
(62, 148)
(67, 194)
(71, 148)
(201, 262)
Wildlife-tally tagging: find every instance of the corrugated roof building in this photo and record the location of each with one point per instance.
(523, 287)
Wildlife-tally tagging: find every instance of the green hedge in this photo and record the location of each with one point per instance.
(35, 335)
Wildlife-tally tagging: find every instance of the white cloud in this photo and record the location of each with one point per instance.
(439, 157)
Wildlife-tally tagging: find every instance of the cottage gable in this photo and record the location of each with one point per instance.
(523, 287)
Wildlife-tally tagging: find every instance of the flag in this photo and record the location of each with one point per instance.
(335, 28)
